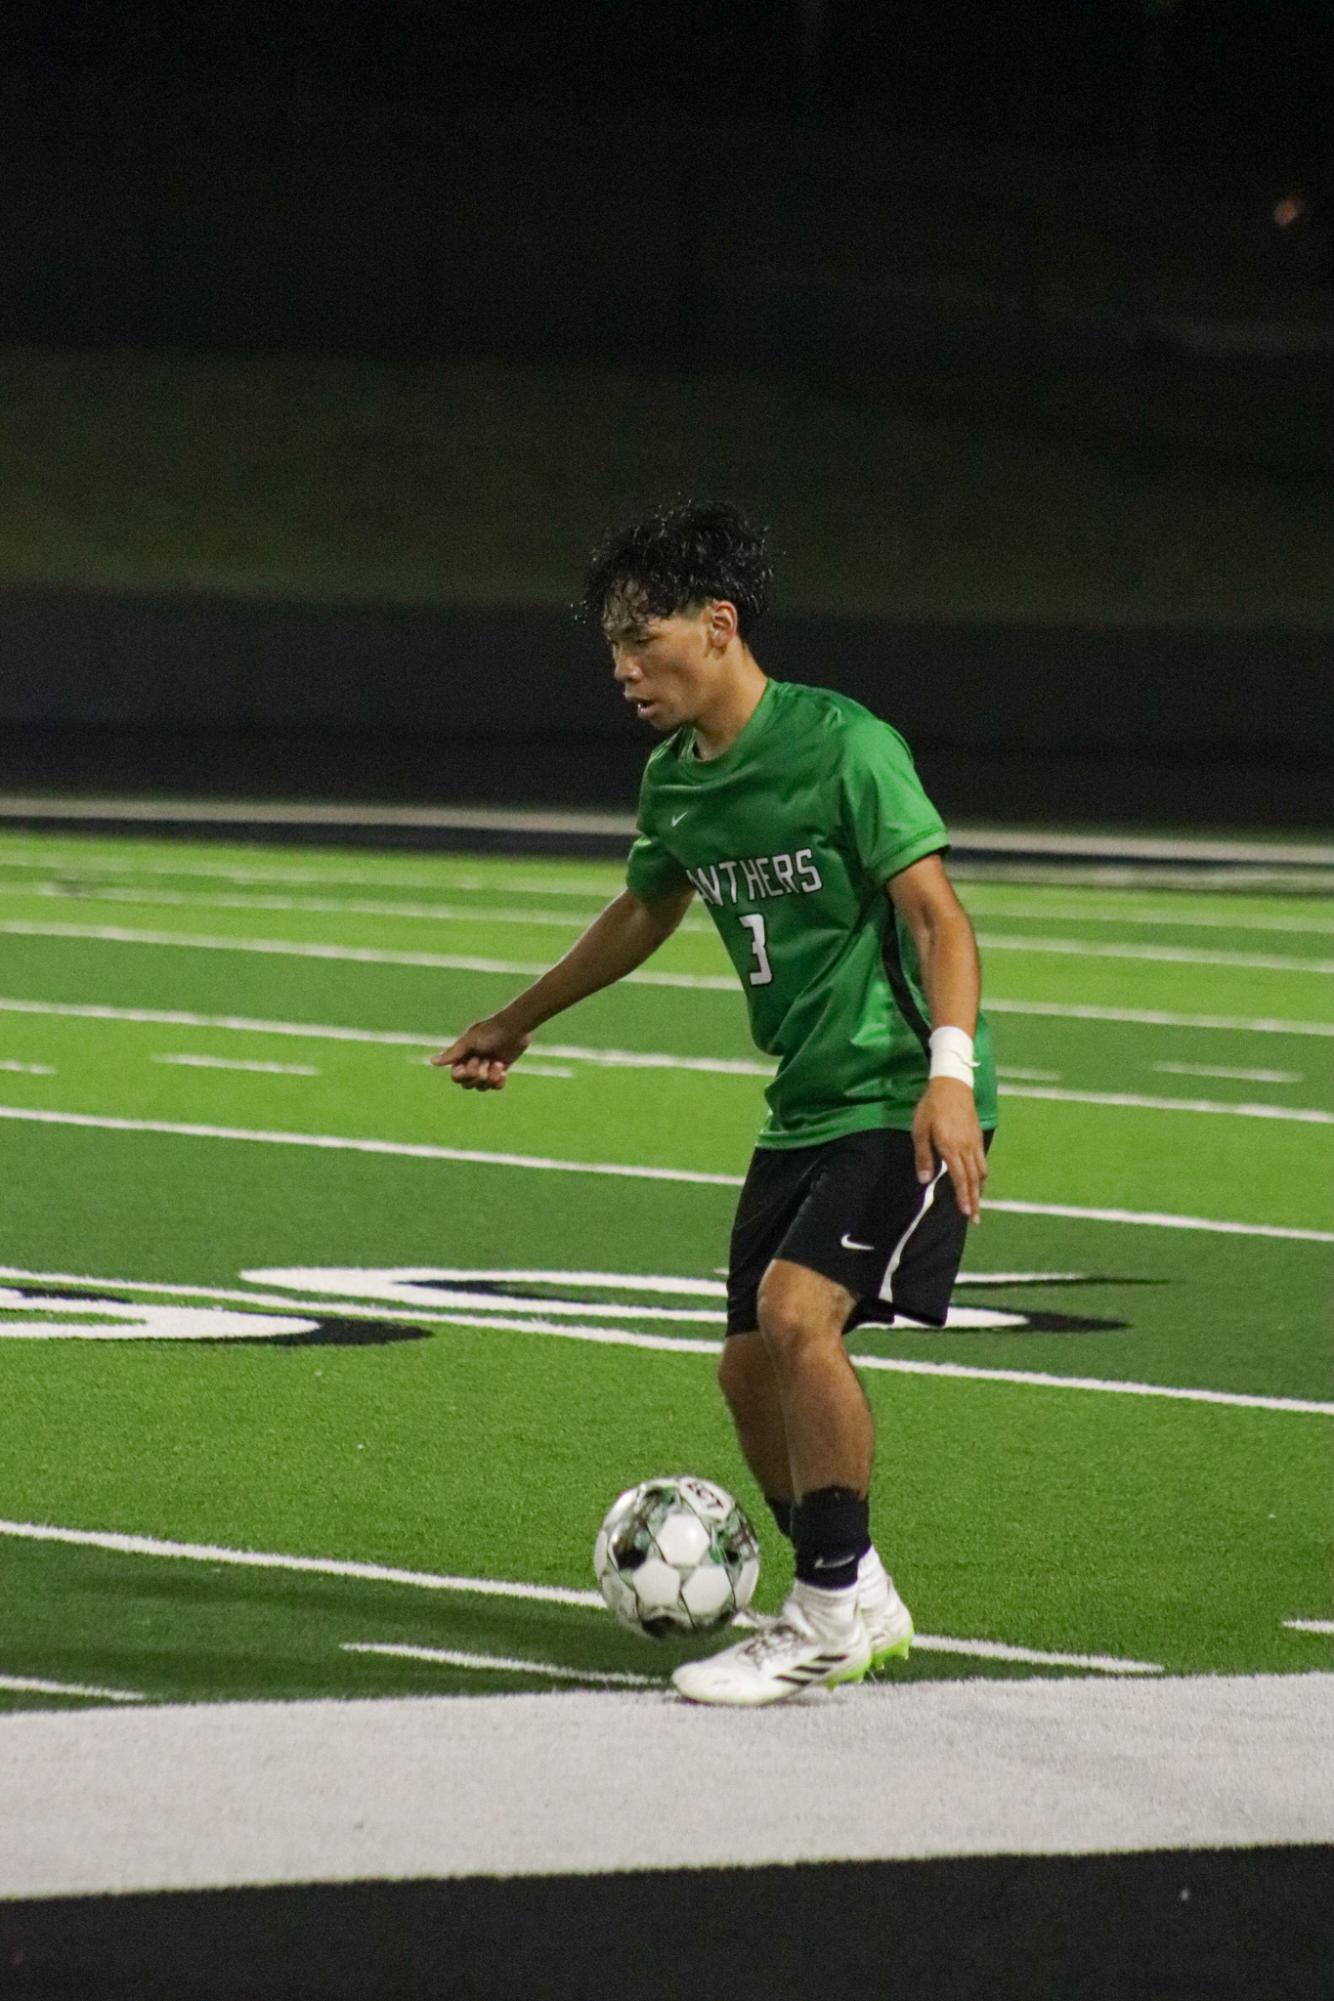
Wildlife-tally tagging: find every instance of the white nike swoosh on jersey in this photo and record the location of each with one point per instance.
(679, 816)
(849, 1245)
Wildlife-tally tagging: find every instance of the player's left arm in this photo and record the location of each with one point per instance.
(945, 1125)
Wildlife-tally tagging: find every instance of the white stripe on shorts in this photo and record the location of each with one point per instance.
(896, 1258)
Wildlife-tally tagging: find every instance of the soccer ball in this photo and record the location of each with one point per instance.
(676, 1556)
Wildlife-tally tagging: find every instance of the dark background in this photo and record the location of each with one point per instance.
(817, 187)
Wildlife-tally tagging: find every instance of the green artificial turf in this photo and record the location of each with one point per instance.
(1067, 1520)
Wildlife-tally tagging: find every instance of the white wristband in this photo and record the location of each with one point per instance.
(952, 1055)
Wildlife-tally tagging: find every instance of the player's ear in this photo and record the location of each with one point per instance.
(721, 622)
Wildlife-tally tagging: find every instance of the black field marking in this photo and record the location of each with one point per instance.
(1174, 1925)
(330, 1333)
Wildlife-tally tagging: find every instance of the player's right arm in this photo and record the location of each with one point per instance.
(626, 933)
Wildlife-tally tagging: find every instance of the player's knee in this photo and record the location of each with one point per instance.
(791, 1319)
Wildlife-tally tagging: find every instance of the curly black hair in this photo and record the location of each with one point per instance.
(679, 556)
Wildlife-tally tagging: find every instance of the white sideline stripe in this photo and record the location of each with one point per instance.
(326, 906)
(1295, 1114)
(23, 1684)
(1158, 1220)
(1040, 1379)
(1034, 911)
(328, 1305)
(236, 1063)
(632, 1059)
(993, 1650)
(27, 1069)
(704, 982)
(290, 948)
(1223, 1070)
(499, 913)
(88, 888)
(46, 855)
(491, 1587)
(422, 1150)
(331, 1142)
(1176, 955)
(1000, 1650)
(1310, 1625)
(426, 1787)
(1155, 1017)
(502, 1664)
(507, 819)
(745, 1066)
(321, 1566)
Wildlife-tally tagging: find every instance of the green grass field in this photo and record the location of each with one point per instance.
(212, 1067)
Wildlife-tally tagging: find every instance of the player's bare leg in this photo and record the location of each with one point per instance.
(747, 1380)
(797, 1379)
(830, 1434)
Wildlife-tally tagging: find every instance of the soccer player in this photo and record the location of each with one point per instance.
(798, 819)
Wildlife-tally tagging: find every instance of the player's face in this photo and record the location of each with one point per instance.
(663, 665)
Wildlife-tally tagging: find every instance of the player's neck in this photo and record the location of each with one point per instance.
(730, 708)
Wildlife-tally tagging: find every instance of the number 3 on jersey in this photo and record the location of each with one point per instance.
(763, 972)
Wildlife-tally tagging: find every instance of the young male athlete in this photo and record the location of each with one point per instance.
(798, 819)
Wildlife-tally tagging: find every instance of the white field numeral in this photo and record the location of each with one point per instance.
(764, 972)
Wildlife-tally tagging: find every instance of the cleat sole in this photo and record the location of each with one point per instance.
(898, 1652)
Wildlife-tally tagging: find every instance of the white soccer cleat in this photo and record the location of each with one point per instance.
(817, 1641)
(887, 1619)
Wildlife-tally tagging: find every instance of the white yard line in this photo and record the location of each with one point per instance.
(1154, 1017)
(515, 1784)
(421, 1150)
(24, 1684)
(427, 1040)
(1175, 955)
(1297, 1114)
(634, 1059)
(236, 1063)
(502, 1664)
(1310, 1625)
(497, 1321)
(319, 1566)
(992, 1650)
(1221, 1070)
(510, 819)
(320, 906)
(493, 876)
(1079, 948)
(26, 1069)
(65, 890)
(1035, 911)
(602, 884)
(366, 955)
(119, 1544)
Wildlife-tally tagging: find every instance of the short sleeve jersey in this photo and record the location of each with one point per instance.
(789, 839)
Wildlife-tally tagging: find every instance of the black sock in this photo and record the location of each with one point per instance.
(782, 1514)
(831, 1530)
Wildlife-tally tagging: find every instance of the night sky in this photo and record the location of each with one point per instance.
(1244, 82)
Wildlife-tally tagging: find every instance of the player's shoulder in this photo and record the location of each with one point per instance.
(664, 758)
(845, 724)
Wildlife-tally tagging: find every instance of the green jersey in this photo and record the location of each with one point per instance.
(789, 838)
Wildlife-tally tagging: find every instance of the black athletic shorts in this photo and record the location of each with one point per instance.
(854, 1211)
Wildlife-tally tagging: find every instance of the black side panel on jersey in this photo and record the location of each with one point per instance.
(905, 1000)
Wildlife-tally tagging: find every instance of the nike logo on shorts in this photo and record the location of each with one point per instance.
(849, 1245)
(679, 816)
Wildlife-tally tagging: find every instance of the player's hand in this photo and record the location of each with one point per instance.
(480, 1058)
(945, 1128)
